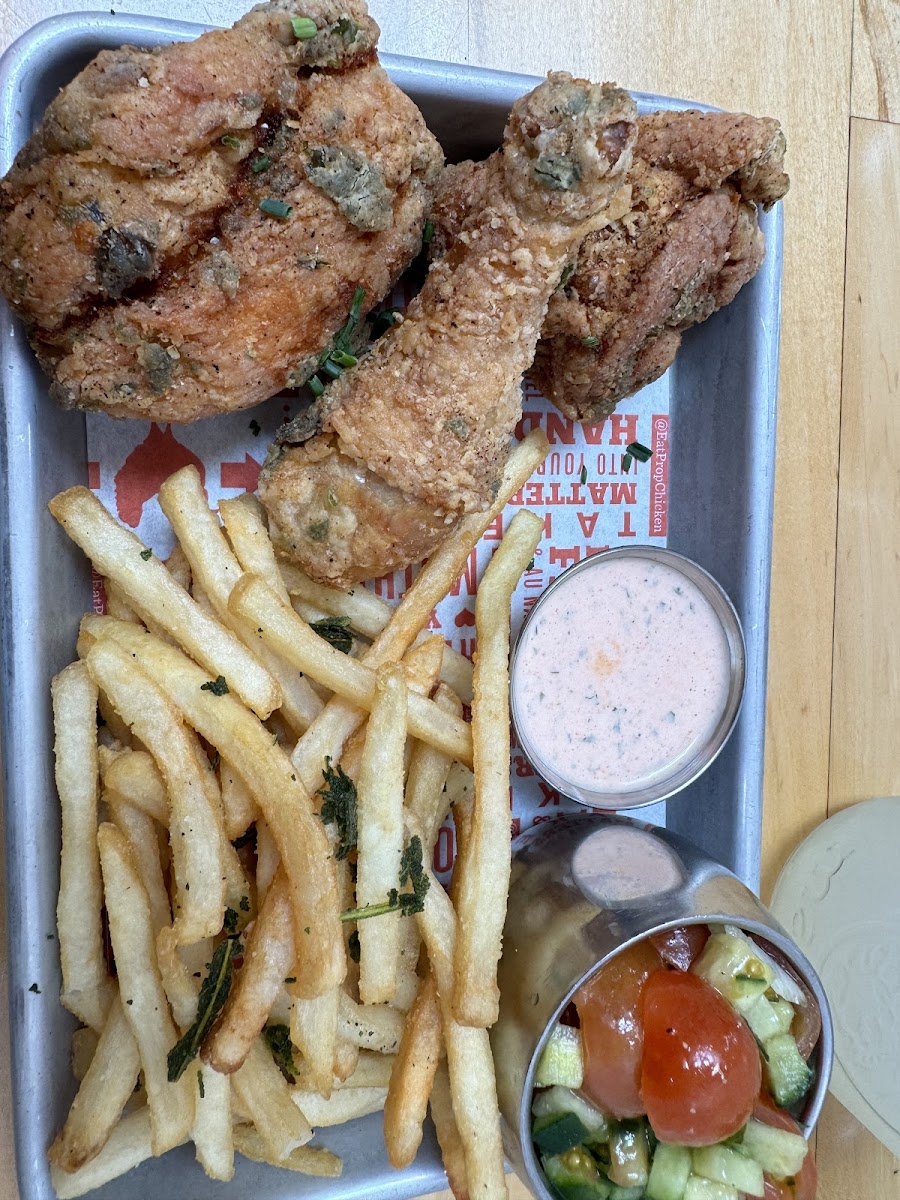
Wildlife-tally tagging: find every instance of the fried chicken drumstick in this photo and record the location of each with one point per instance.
(186, 230)
(417, 434)
(687, 243)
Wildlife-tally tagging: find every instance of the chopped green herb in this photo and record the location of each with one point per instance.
(567, 272)
(428, 232)
(530, 566)
(304, 28)
(306, 929)
(584, 475)
(200, 1085)
(626, 463)
(260, 164)
(217, 686)
(213, 994)
(231, 141)
(34, 988)
(230, 923)
(244, 903)
(278, 1039)
(331, 499)
(458, 426)
(318, 531)
(590, 341)
(405, 903)
(343, 359)
(146, 555)
(335, 631)
(339, 807)
(316, 386)
(255, 428)
(275, 208)
(332, 367)
(641, 453)
(383, 321)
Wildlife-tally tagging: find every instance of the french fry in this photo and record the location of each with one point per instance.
(314, 1033)
(371, 1070)
(267, 859)
(195, 825)
(267, 771)
(245, 523)
(266, 1098)
(87, 990)
(485, 883)
(452, 1152)
(268, 959)
(212, 1132)
(292, 639)
(141, 833)
(346, 1057)
(148, 586)
(178, 980)
(105, 1090)
(143, 999)
(380, 841)
(113, 725)
(133, 775)
(239, 809)
(116, 604)
(463, 822)
(426, 799)
(407, 980)
(346, 1104)
(413, 1075)
(179, 568)
(129, 1145)
(370, 1026)
(308, 1160)
(84, 1045)
(215, 567)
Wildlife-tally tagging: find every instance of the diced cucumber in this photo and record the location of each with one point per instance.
(557, 1100)
(557, 1133)
(629, 1154)
(723, 1165)
(626, 1193)
(767, 1018)
(779, 1152)
(561, 1061)
(787, 1074)
(699, 1188)
(782, 983)
(669, 1172)
(733, 968)
(574, 1176)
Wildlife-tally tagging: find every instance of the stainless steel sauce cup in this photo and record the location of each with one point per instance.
(573, 907)
(683, 771)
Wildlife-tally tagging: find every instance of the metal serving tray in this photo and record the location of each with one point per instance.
(723, 389)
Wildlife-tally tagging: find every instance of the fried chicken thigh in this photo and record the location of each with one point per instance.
(417, 434)
(222, 222)
(683, 247)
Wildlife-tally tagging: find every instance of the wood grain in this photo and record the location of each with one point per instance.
(876, 60)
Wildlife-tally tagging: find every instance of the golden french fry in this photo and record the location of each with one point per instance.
(370, 1026)
(422, 663)
(179, 568)
(194, 823)
(239, 809)
(212, 1133)
(267, 859)
(308, 1160)
(463, 821)
(141, 833)
(133, 775)
(346, 1058)
(140, 987)
(266, 1098)
(371, 1070)
(178, 980)
(128, 1146)
(267, 771)
(84, 1045)
(268, 959)
(147, 585)
(105, 1090)
(413, 1075)
(407, 980)
(112, 725)
(426, 800)
(314, 1033)
(293, 640)
(452, 1152)
(116, 604)
(87, 990)
(215, 567)
(245, 523)
(345, 1104)
(485, 880)
(380, 840)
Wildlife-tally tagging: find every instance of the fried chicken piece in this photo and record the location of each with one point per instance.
(128, 168)
(417, 434)
(341, 207)
(686, 245)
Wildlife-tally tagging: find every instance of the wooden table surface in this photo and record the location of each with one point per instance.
(830, 71)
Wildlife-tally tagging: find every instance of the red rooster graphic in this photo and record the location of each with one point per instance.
(145, 468)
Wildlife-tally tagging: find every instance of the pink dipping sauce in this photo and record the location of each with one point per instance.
(623, 674)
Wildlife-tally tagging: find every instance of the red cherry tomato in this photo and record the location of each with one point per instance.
(803, 1186)
(612, 1035)
(679, 947)
(700, 1074)
(807, 1025)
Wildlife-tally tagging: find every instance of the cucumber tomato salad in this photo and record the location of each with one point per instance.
(676, 1074)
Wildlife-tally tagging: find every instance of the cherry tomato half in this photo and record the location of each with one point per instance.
(700, 1074)
(612, 1035)
(803, 1186)
(679, 947)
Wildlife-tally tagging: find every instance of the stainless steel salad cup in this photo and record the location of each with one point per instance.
(573, 906)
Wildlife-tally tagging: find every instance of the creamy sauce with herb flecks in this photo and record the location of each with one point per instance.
(622, 673)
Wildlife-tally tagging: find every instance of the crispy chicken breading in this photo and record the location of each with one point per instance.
(687, 243)
(207, 243)
(417, 434)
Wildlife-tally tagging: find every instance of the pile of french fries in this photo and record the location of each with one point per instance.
(253, 770)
